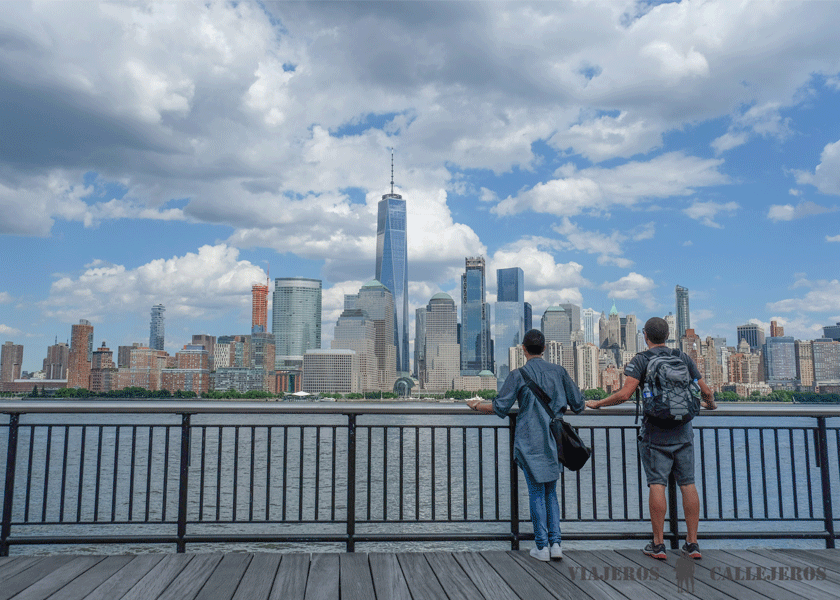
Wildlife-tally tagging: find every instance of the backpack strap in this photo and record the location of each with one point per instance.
(647, 354)
(538, 392)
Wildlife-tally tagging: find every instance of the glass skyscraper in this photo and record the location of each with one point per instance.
(475, 320)
(296, 319)
(683, 319)
(391, 267)
(156, 329)
(510, 318)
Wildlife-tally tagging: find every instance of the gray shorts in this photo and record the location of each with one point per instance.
(659, 460)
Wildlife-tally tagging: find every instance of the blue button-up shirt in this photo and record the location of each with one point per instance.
(534, 448)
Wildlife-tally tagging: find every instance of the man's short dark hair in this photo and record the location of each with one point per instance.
(534, 342)
(656, 329)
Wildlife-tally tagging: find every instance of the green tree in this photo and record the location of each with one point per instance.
(594, 394)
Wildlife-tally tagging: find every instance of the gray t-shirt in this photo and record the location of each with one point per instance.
(681, 434)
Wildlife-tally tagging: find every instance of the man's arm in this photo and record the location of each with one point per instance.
(622, 395)
(707, 395)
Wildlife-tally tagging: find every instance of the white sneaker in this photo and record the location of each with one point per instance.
(556, 551)
(543, 554)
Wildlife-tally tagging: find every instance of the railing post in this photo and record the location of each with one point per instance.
(8, 494)
(825, 476)
(673, 517)
(183, 486)
(351, 482)
(514, 489)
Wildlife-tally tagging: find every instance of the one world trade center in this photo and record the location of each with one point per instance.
(391, 265)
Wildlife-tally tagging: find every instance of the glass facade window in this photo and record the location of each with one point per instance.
(296, 319)
(391, 267)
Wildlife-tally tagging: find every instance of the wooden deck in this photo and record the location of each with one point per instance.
(610, 574)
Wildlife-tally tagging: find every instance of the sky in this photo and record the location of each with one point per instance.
(177, 153)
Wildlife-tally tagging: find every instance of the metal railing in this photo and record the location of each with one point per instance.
(140, 472)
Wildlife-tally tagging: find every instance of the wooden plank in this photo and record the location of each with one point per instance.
(226, 576)
(814, 589)
(388, 579)
(419, 577)
(597, 588)
(323, 581)
(16, 565)
(20, 581)
(354, 576)
(794, 558)
(155, 581)
(124, 579)
(486, 579)
(828, 559)
(292, 574)
(91, 579)
(556, 578)
(717, 561)
(703, 588)
(58, 578)
(257, 581)
(451, 576)
(190, 581)
(517, 578)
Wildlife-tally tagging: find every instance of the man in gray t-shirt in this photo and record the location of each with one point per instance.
(664, 450)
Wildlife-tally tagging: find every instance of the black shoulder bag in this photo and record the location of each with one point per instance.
(571, 451)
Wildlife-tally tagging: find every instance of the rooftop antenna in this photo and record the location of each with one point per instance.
(392, 169)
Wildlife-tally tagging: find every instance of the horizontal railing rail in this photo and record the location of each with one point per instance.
(193, 472)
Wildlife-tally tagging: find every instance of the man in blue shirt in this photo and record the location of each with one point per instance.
(534, 448)
(664, 450)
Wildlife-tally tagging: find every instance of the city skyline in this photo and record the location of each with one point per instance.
(190, 146)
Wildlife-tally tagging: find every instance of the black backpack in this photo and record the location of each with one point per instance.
(669, 396)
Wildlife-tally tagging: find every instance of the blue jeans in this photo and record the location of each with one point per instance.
(545, 512)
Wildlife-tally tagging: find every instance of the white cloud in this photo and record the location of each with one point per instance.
(728, 141)
(706, 212)
(5, 297)
(789, 212)
(630, 287)
(832, 238)
(597, 189)
(688, 243)
(794, 192)
(9, 331)
(823, 296)
(826, 175)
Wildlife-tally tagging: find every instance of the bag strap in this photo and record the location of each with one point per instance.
(538, 392)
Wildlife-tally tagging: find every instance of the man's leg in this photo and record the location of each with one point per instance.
(691, 508)
(658, 507)
(536, 502)
(552, 509)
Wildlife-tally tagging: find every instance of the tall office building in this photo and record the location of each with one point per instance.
(296, 319)
(510, 318)
(555, 326)
(443, 354)
(614, 328)
(377, 302)
(683, 318)
(804, 363)
(776, 330)
(81, 355)
(673, 340)
(629, 333)
(589, 324)
(55, 365)
(392, 265)
(11, 359)
(573, 312)
(355, 330)
(603, 330)
(832, 332)
(529, 317)
(475, 320)
(259, 308)
(156, 329)
(420, 342)
(780, 361)
(826, 361)
(753, 333)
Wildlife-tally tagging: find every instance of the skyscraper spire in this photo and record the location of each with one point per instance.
(392, 169)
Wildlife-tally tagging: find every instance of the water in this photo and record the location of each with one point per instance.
(448, 469)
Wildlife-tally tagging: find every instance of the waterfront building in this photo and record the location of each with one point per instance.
(156, 327)
(573, 312)
(334, 371)
(240, 379)
(80, 355)
(780, 362)
(776, 330)
(355, 330)
(745, 366)
(296, 319)
(692, 345)
(712, 369)
(392, 266)
(221, 356)
(484, 380)
(510, 318)
(11, 360)
(612, 379)
(826, 353)
(191, 372)
(475, 319)
(753, 333)
(516, 356)
(442, 351)
(683, 316)
(586, 366)
(420, 343)
(102, 370)
(259, 308)
(208, 342)
(55, 364)
(145, 366)
(589, 324)
(832, 332)
(804, 363)
(555, 326)
(376, 300)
